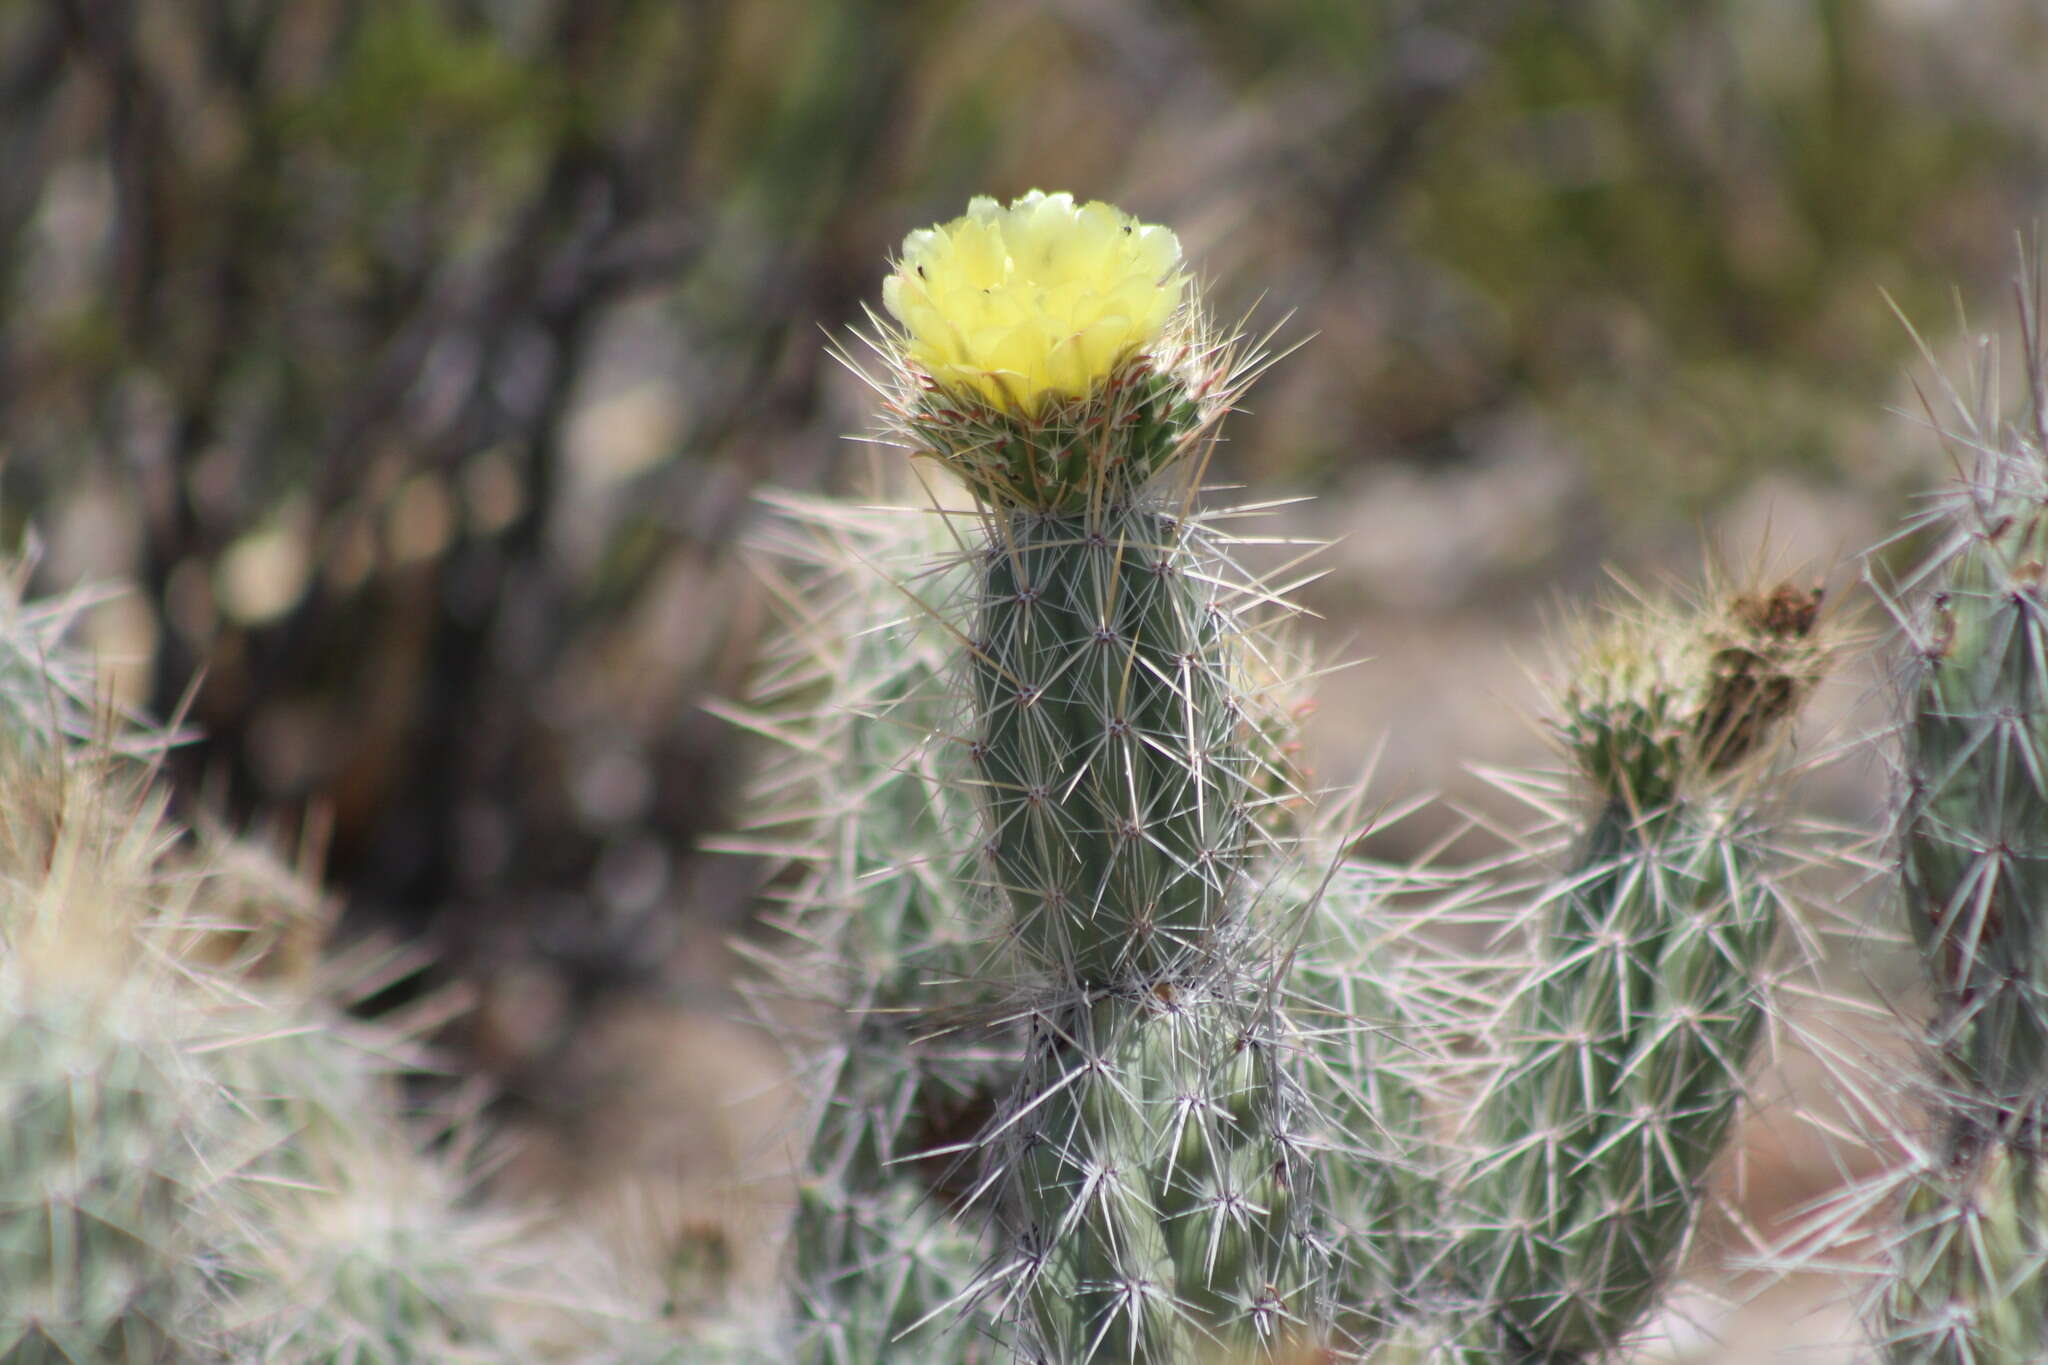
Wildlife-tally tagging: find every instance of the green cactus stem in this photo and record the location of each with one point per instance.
(1975, 832)
(1109, 758)
(1628, 1043)
(1971, 1278)
(1970, 1273)
(1375, 1019)
(1148, 1171)
(1155, 1179)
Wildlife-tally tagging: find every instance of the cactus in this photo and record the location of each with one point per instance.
(47, 693)
(104, 1117)
(1970, 1269)
(1150, 1184)
(341, 1239)
(100, 1157)
(1226, 1132)
(1376, 1018)
(1970, 1274)
(1975, 824)
(1118, 1053)
(198, 1163)
(1628, 1042)
(877, 936)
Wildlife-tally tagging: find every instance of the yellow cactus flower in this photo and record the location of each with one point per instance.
(1035, 302)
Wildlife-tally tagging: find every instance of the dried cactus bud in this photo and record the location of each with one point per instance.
(1664, 700)
(1766, 658)
(1628, 712)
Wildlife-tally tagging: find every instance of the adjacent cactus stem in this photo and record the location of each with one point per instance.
(1975, 840)
(879, 935)
(1971, 1265)
(1627, 1045)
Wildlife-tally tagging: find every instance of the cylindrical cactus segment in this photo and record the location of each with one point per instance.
(1628, 1041)
(1149, 1173)
(882, 1275)
(1115, 780)
(1970, 1272)
(1629, 1052)
(1975, 832)
(1370, 1042)
(1971, 1263)
(1155, 1189)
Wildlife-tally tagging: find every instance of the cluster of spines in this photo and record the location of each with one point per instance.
(1969, 1270)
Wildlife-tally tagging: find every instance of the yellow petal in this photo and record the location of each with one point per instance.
(1039, 299)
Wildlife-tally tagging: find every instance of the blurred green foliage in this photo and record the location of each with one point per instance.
(415, 357)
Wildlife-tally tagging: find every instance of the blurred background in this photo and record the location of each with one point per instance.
(410, 365)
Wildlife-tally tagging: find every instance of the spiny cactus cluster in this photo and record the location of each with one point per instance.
(1227, 1109)
(200, 1161)
(1118, 1052)
(1232, 1106)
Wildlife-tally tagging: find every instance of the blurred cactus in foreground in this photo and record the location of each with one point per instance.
(200, 1161)
(101, 1154)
